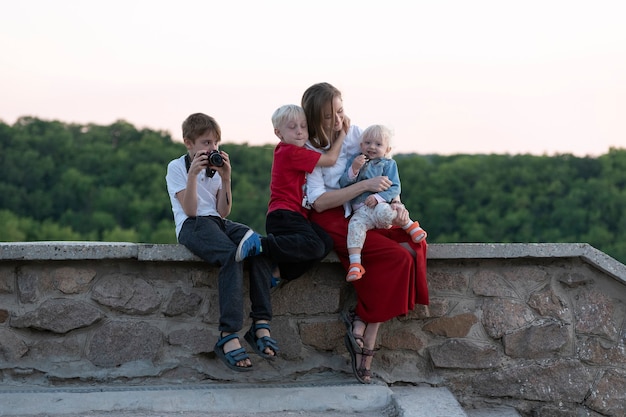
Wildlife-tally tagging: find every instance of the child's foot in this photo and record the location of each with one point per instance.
(355, 272)
(229, 350)
(250, 245)
(259, 338)
(416, 232)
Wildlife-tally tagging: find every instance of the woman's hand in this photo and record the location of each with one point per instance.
(377, 184)
(403, 214)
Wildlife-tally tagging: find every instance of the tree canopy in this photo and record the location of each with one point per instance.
(61, 181)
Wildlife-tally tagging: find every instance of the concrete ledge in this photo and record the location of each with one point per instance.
(441, 251)
(35, 251)
(240, 399)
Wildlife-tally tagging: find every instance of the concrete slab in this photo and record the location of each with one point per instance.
(426, 402)
(216, 400)
(496, 411)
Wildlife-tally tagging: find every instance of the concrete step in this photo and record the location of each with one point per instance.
(426, 402)
(439, 402)
(332, 399)
(495, 411)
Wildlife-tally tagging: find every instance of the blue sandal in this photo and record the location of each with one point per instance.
(231, 358)
(259, 344)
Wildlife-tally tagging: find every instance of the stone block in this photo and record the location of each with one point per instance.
(126, 293)
(465, 354)
(501, 316)
(119, 342)
(544, 340)
(454, 327)
(59, 316)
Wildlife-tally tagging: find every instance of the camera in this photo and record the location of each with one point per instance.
(216, 160)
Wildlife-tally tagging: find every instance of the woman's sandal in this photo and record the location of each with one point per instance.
(355, 272)
(361, 372)
(349, 317)
(259, 344)
(232, 357)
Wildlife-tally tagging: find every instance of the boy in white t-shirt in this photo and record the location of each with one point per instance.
(199, 186)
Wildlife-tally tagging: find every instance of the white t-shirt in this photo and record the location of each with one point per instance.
(176, 179)
(323, 179)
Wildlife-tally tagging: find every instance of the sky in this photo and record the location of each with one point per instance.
(540, 77)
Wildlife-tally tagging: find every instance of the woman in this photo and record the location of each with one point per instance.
(396, 266)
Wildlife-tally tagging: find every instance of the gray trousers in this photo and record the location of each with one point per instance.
(215, 240)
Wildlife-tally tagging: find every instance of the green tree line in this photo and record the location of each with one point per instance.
(61, 181)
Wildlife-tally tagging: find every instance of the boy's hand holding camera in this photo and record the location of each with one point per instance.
(211, 161)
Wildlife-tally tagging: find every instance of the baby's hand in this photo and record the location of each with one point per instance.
(358, 162)
(371, 201)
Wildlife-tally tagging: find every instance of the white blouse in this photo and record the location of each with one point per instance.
(324, 179)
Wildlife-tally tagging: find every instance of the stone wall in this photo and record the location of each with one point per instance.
(539, 327)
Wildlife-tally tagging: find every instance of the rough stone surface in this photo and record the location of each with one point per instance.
(127, 294)
(465, 354)
(537, 327)
(566, 381)
(547, 303)
(7, 279)
(59, 316)
(116, 343)
(501, 316)
(197, 340)
(457, 326)
(609, 395)
(544, 340)
(594, 314)
(12, 348)
(70, 280)
(4, 315)
(183, 303)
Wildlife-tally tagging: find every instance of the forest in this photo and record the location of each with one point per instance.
(72, 182)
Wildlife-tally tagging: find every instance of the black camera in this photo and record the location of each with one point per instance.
(216, 160)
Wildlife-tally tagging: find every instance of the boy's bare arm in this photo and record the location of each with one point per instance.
(224, 195)
(329, 158)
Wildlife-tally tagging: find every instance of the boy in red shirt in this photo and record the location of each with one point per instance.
(293, 242)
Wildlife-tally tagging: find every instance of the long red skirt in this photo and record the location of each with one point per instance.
(394, 280)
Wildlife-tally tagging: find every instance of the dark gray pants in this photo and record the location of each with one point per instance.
(215, 240)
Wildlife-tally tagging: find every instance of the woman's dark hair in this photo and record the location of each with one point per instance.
(313, 101)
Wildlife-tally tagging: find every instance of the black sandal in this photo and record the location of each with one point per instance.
(360, 372)
(349, 317)
(259, 344)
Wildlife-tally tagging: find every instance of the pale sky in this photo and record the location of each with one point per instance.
(465, 76)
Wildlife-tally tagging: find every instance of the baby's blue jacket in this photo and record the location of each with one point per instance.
(374, 168)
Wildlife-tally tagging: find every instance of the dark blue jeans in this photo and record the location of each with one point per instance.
(215, 240)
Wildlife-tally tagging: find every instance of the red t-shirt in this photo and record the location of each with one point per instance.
(291, 163)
